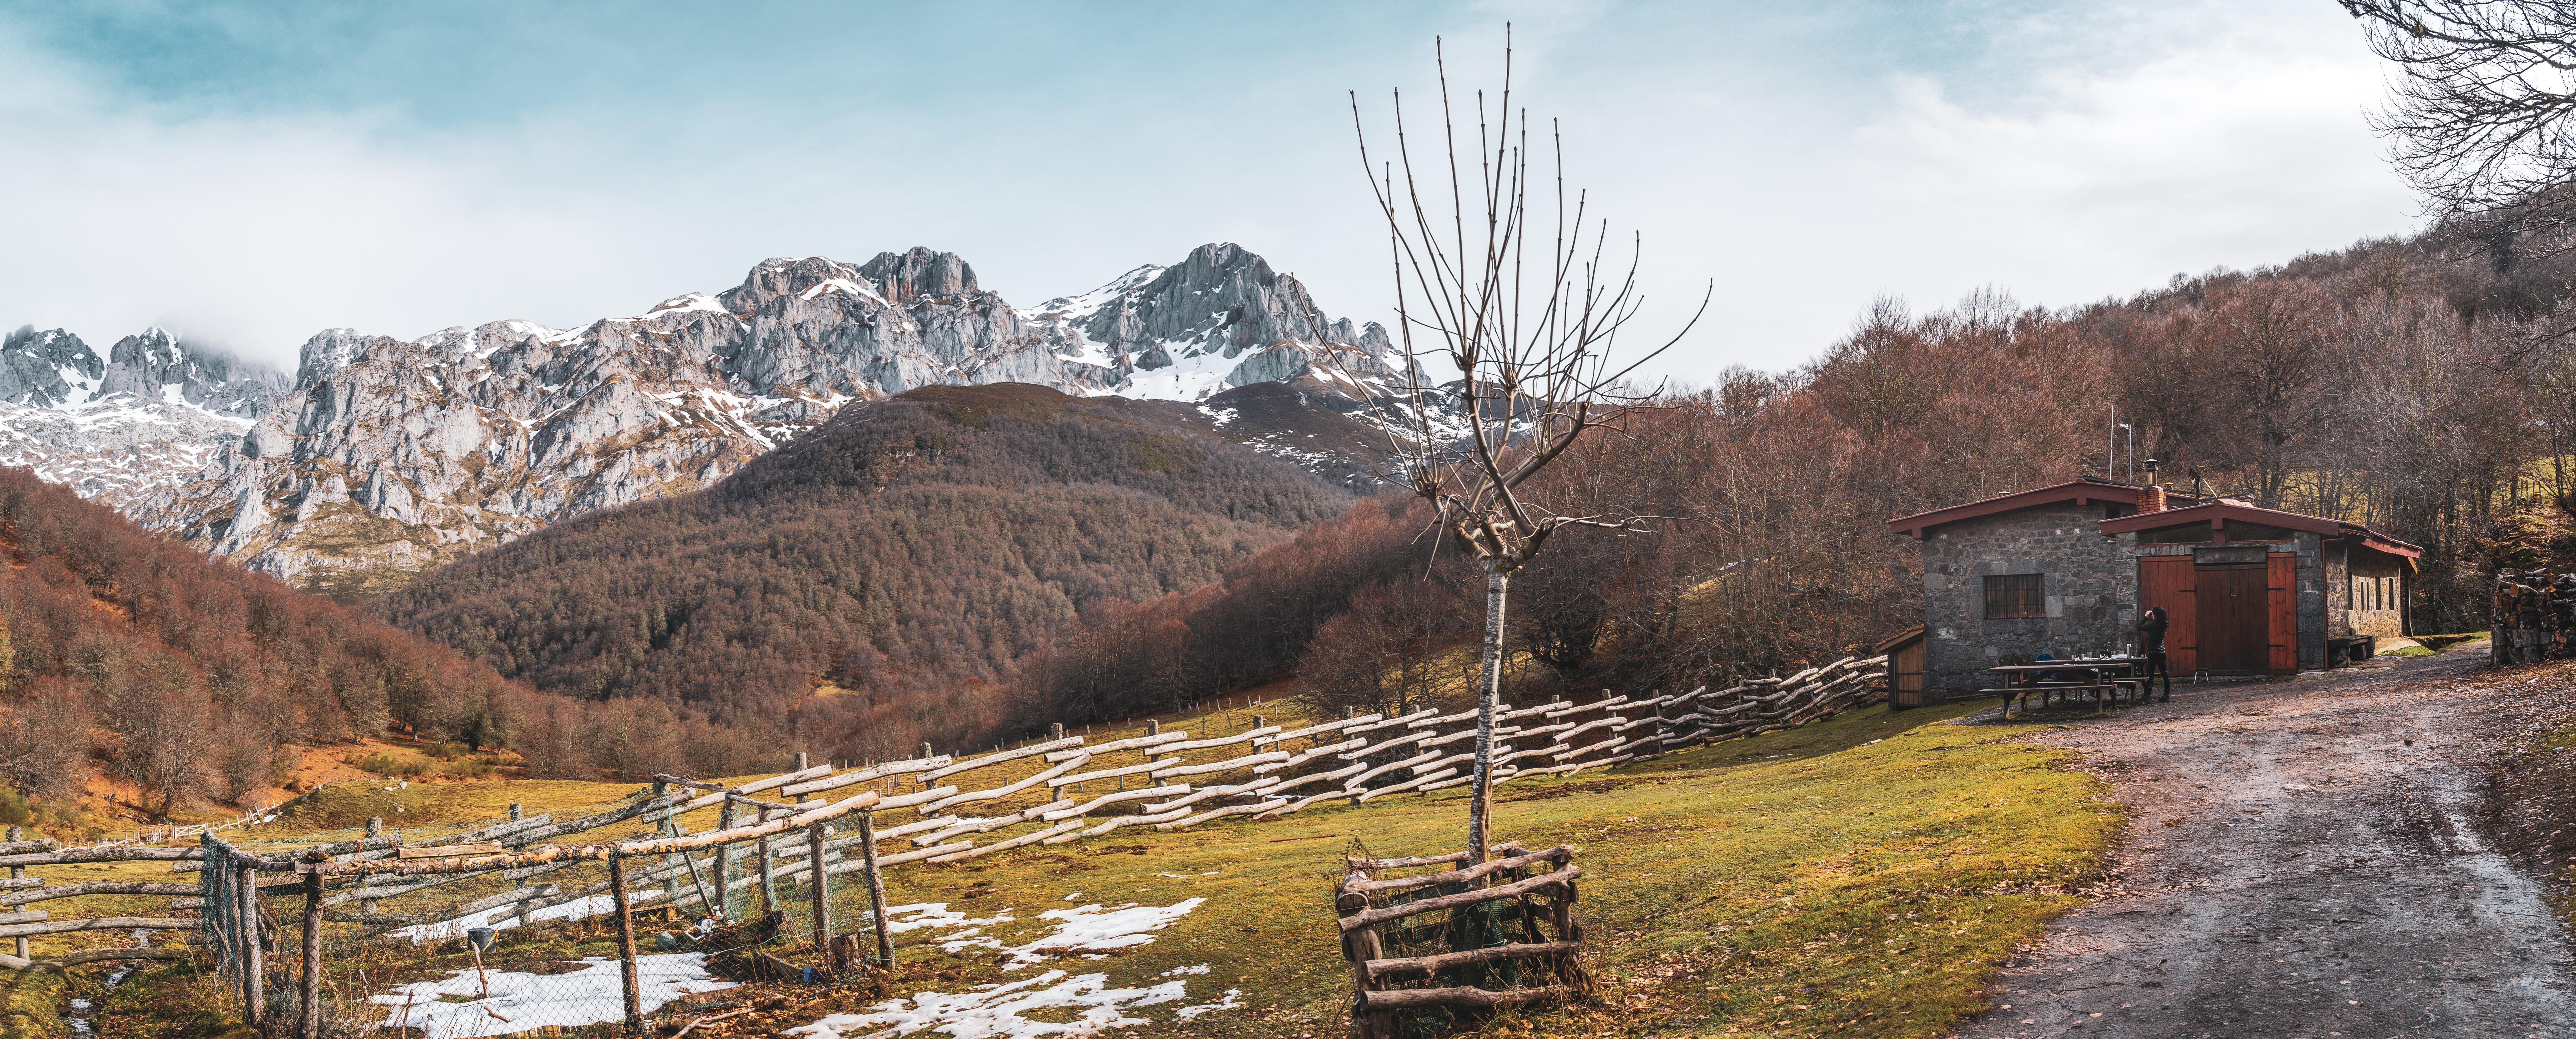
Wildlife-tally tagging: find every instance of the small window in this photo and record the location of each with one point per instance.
(2016, 595)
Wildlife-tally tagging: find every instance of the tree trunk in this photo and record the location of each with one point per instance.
(1489, 695)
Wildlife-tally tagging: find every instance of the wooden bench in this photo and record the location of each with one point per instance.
(2022, 692)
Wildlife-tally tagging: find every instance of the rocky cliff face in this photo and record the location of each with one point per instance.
(385, 456)
(128, 429)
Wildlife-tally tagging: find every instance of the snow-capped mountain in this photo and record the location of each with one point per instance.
(132, 427)
(387, 456)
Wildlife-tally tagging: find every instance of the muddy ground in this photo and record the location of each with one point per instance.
(2363, 853)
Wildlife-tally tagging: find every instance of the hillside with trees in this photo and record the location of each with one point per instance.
(866, 588)
(187, 678)
(2420, 386)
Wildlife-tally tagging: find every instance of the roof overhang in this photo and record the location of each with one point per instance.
(2217, 512)
(2082, 492)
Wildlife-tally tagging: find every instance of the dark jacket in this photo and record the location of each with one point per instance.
(2151, 632)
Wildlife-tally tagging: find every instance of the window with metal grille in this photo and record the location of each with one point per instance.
(2016, 595)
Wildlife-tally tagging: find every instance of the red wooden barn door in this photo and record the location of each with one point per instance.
(2233, 638)
(2281, 611)
(2169, 581)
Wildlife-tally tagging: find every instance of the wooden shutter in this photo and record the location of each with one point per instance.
(2170, 582)
(2281, 609)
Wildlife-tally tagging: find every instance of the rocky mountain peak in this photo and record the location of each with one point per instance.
(784, 276)
(47, 369)
(919, 272)
(153, 364)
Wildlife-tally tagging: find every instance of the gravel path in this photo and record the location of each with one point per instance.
(2301, 862)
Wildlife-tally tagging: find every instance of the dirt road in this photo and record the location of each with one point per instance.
(2303, 861)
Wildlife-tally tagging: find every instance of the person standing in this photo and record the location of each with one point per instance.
(2151, 635)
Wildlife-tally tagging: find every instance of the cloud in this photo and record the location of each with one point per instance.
(255, 232)
(1808, 159)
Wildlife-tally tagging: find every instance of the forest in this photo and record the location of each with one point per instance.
(190, 678)
(864, 589)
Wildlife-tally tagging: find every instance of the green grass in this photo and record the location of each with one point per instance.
(2438, 643)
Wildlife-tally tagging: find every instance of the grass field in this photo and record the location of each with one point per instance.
(1859, 876)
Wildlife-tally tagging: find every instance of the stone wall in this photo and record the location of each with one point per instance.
(2387, 622)
(2090, 585)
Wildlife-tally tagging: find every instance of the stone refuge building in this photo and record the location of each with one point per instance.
(2066, 569)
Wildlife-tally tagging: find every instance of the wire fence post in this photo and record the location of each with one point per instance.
(768, 862)
(822, 897)
(375, 829)
(310, 1025)
(876, 887)
(254, 973)
(724, 864)
(626, 943)
(16, 834)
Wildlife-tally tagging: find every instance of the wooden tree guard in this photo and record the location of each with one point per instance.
(1366, 904)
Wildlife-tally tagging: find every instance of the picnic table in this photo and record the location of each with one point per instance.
(2101, 679)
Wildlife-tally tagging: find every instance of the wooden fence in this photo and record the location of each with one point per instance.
(770, 833)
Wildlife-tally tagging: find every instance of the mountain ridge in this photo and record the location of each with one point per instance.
(384, 457)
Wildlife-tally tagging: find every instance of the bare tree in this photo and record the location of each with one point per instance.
(2480, 120)
(1529, 327)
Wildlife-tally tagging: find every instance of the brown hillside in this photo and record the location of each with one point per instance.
(201, 677)
(907, 552)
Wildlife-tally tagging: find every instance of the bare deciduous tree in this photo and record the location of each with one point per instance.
(2480, 120)
(1528, 325)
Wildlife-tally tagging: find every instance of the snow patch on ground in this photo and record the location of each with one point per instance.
(1228, 1003)
(520, 1002)
(995, 1010)
(936, 914)
(1089, 928)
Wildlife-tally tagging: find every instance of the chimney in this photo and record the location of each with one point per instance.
(2152, 498)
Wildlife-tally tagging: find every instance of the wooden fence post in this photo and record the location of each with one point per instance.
(876, 887)
(724, 864)
(1364, 945)
(17, 834)
(626, 943)
(768, 873)
(375, 829)
(822, 895)
(254, 965)
(311, 1024)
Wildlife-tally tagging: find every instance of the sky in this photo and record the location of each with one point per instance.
(249, 174)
